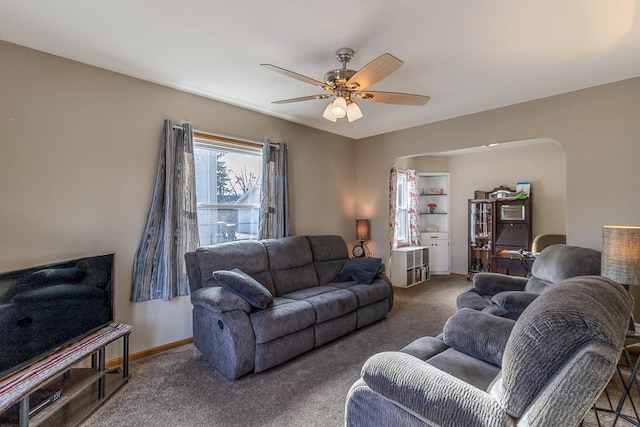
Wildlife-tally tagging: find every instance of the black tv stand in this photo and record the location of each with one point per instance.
(58, 390)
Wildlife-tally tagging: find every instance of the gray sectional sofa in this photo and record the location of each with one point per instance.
(257, 304)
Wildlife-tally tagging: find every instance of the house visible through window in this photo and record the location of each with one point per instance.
(228, 179)
(401, 207)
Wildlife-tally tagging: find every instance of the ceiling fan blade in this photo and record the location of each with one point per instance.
(374, 71)
(393, 97)
(303, 98)
(297, 76)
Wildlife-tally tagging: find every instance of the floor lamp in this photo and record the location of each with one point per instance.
(621, 254)
(621, 263)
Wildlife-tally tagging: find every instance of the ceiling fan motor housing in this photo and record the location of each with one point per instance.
(338, 77)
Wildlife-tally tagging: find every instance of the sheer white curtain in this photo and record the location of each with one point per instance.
(171, 230)
(274, 202)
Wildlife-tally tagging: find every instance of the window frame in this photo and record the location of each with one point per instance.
(402, 208)
(222, 143)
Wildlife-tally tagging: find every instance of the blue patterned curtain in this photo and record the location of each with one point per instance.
(274, 202)
(159, 270)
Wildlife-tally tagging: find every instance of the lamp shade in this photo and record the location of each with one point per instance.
(362, 229)
(353, 111)
(327, 113)
(621, 254)
(339, 107)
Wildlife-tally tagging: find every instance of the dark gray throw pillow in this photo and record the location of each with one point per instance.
(240, 283)
(362, 270)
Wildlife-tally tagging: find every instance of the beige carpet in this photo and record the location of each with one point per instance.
(178, 388)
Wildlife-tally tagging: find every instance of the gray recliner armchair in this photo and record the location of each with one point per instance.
(508, 296)
(545, 369)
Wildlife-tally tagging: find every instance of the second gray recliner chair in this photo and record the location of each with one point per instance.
(508, 296)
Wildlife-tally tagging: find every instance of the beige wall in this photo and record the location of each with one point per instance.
(79, 148)
(543, 164)
(78, 154)
(598, 128)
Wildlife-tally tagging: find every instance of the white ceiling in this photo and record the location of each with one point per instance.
(468, 55)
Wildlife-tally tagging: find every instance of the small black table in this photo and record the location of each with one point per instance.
(630, 360)
(513, 263)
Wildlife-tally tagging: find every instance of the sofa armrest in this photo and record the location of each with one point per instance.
(514, 301)
(219, 300)
(382, 276)
(478, 334)
(492, 283)
(434, 395)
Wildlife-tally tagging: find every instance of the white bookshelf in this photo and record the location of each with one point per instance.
(409, 266)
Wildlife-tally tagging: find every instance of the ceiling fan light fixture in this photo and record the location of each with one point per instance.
(353, 111)
(339, 107)
(327, 113)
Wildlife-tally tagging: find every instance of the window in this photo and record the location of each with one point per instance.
(228, 179)
(401, 207)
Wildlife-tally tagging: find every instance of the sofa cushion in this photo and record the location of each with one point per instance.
(239, 282)
(290, 264)
(367, 294)
(467, 368)
(333, 304)
(329, 255)
(425, 347)
(282, 319)
(362, 270)
(309, 292)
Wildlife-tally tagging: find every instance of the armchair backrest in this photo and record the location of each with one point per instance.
(559, 262)
(563, 351)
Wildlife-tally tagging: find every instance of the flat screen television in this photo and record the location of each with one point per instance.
(45, 308)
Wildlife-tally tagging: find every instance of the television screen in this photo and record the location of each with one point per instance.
(47, 307)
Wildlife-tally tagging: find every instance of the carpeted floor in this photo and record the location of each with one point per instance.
(178, 388)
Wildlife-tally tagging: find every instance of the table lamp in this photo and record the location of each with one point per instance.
(621, 255)
(362, 234)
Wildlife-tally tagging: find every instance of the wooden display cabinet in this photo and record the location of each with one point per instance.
(482, 231)
(497, 225)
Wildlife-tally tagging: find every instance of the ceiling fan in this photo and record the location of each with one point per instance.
(344, 85)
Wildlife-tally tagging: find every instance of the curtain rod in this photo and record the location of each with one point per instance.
(221, 138)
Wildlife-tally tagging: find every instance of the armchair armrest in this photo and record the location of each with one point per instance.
(492, 283)
(434, 395)
(514, 301)
(478, 334)
(219, 300)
